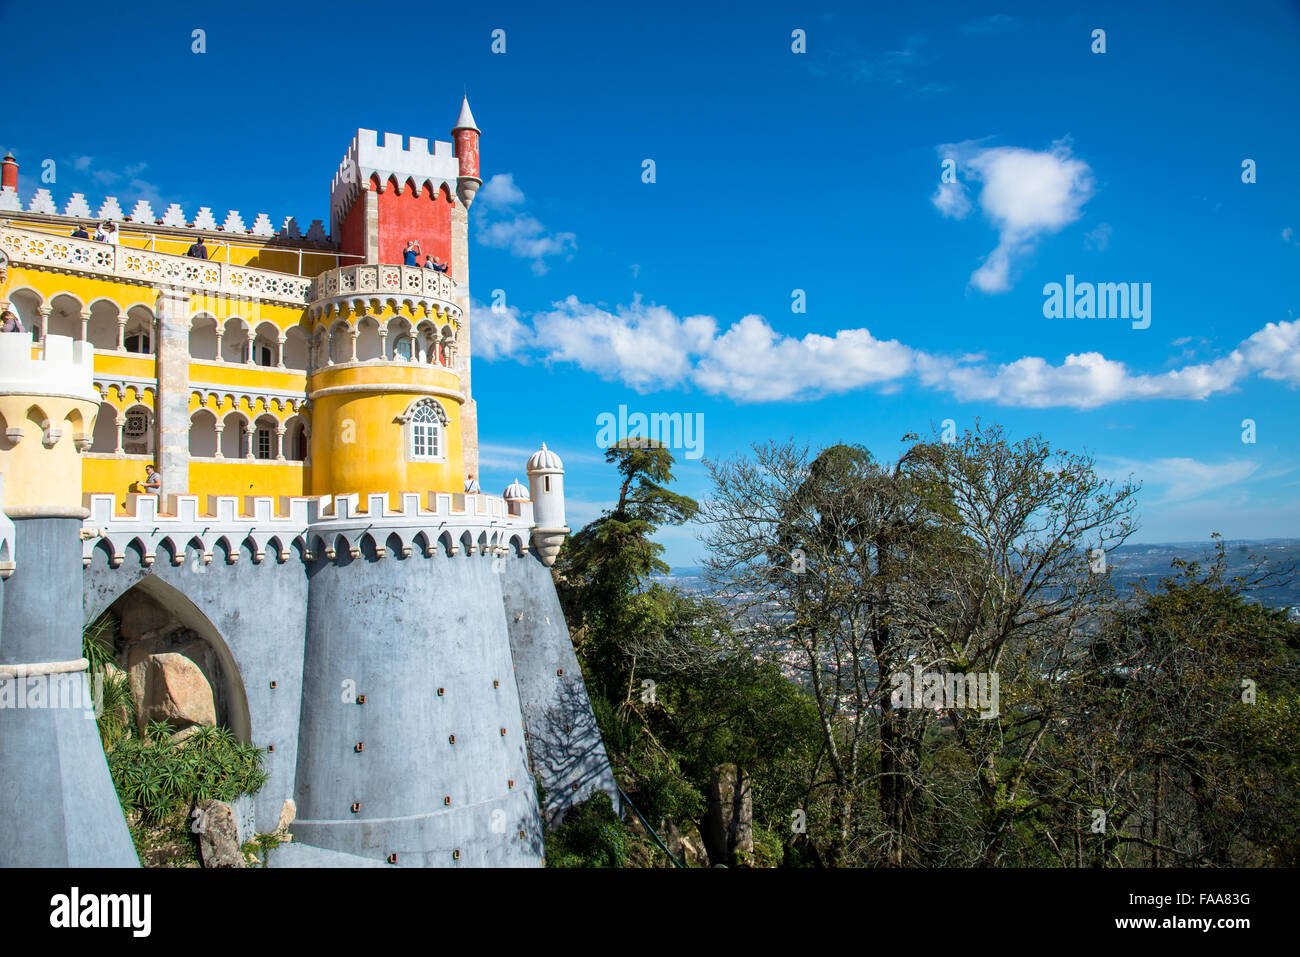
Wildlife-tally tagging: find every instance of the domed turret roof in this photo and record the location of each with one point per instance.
(515, 492)
(544, 459)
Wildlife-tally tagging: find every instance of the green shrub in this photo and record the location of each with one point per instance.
(591, 836)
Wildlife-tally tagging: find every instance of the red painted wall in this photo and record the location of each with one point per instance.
(352, 233)
(414, 215)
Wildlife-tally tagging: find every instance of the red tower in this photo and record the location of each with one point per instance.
(385, 195)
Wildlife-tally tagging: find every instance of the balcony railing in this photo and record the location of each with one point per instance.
(369, 279)
(45, 251)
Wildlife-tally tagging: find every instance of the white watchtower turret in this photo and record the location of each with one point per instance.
(546, 488)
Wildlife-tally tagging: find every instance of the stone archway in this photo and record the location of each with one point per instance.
(179, 667)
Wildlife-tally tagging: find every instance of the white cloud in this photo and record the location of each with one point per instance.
(500, 192)
(649, 347)
(750, 362)
(951, 200)
(500, 224)
(1182, 479)
(1274, 351)
(646, 347)
(1098, 238)
(1026, 194)
(498, 332)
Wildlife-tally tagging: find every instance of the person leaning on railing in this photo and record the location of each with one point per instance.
(197, 250)
(80, 233)
(9, 322)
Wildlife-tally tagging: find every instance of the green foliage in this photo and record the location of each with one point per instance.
(591, 836)
(157, 777)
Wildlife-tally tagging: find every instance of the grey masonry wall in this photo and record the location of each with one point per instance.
(253, 614)
(485, 629)
(59, 806)
(568, 755)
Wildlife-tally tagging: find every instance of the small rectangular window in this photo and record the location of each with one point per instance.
(263, 443)
(548, 483)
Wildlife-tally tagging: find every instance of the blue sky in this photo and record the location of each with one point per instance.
(776, 171)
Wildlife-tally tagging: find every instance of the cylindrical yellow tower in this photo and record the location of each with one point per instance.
(386, 401)
(47, 411)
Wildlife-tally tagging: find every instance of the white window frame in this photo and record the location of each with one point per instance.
(425, 419)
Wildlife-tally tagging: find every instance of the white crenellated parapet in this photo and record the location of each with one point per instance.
(325, 526)
(175, 216)
(62, 367)
(42, 202)
(427, 169)
(110, 209)
(205, 220)
(143, 213)
(262, 226)
(77, 206)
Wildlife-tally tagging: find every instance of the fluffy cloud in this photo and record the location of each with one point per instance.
(498, 332)
(499, 222)
(751, 362)
(646, 347)
(649, 347)
(1025, 194)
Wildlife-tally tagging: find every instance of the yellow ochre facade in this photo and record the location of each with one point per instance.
(281, 365)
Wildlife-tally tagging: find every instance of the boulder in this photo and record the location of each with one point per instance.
(218, 835)
(287, 814)
(730, 833)
(176, 691)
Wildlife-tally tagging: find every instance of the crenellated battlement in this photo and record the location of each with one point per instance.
(61, 367)
(77, 210)
(324, 526)
(425, 168)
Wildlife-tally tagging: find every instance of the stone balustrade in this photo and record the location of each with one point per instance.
(29, 247)
(367, 280)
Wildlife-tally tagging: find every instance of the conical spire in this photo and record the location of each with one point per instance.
(466, 119)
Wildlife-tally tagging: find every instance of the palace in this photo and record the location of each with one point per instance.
(306, 400)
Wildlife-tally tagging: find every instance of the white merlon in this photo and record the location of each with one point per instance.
(290, 228)
(77, 206)
(262, 226)
(111, 210)
(143, 213)
(42, 202)
(234, 223)
(9, 199)
(204, 219)
(175, 216)
(316, 231)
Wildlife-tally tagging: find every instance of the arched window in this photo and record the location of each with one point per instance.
(426, 429)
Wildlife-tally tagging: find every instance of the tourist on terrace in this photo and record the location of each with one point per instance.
(197, 250)
(107, 233)
(80, 233)
(471, 486)
(9, 322)
(153, 481)
(411, 256)
(431, 262)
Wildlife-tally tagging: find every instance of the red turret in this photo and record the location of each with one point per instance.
(464, 136)
(9, 168)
